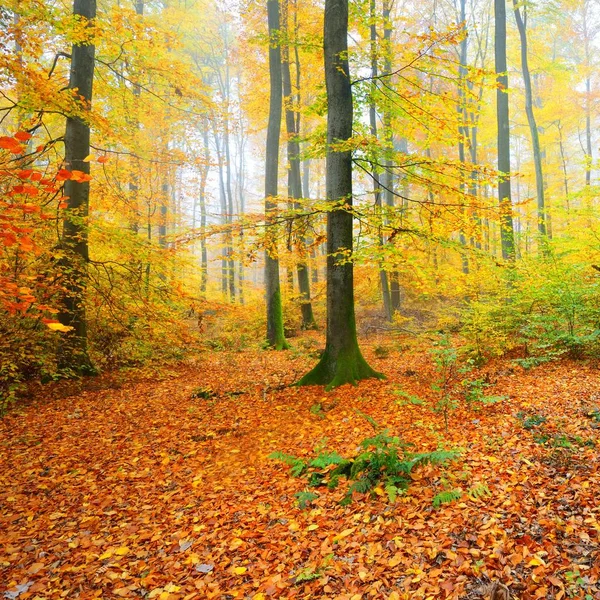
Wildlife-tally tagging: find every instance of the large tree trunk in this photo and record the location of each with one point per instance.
(275, 335)
(507, 235)
(292, 123)
(73, 355)
(535, 138)
(342, 361)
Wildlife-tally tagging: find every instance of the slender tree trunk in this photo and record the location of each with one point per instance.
(202, 200)
(394, 277)
(73, 351)
(507, 235)
(223, 205)
(342, 361)
(535, 138)
(292, 123)
(275, 335)
(463, 128)
(383, 276)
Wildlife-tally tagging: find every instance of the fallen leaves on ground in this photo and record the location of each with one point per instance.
(148, 491)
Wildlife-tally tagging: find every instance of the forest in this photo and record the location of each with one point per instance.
(299, 299)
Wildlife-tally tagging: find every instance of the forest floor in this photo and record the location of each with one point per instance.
(140, 489)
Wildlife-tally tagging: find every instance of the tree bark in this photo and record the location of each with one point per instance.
(342, 361)
(507, 235)
(73, 357)
(292, 124)
(535, 138)
(275, 335)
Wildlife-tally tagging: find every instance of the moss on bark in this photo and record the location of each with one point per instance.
(348, 366)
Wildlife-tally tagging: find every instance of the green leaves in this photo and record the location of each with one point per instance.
(385, 462)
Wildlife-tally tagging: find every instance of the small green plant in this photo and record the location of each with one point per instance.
(310, 573)
(383, 461)
(305, 498)
(595, 415)
(475, 393)
(446, 497)
(317, 410)
(203, 393)
(532, 421)
(408, 397)
(534, 361)
(479, 491)
(381, 351)
(448, 370)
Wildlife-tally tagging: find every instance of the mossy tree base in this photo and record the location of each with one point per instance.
(347, 367)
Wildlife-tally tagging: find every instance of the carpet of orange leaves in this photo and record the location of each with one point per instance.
(139, 490)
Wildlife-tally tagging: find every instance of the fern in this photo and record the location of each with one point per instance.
(479, 491)
(297, 464)
(326, 460)
(305, 498)
(372, 422)
(445, 497)
(384, 461)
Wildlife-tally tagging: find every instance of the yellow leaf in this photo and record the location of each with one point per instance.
(164, 596)
(293, 526)
(259, 596)
(345, 533)
(171, 587)
(394, 596)
(239, 570)
(312, 527)
(106, 555)
(536, 561)
(122, 551)
(58, 327)
(379, 491)
(88, 158)
(395, 560)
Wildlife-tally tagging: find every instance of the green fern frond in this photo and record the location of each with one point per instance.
(297, 464)
(325, 460)
(370, 420)
(305, 498)
(445, 497)
(479, 491)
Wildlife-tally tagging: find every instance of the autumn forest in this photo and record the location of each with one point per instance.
(300, 299)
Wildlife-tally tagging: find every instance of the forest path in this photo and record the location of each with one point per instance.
(147, 491)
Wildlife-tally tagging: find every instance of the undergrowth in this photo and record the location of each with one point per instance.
(383, 463)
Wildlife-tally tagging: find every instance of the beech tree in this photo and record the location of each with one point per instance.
(73, 352)
(275, 335)
(342, 361)
(535, 138)
(504, 193)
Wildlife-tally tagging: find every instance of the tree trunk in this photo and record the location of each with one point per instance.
(535, 138)
(342, 361)
(383, 276)
(292, 123)
(275, 335)
(394, 277)
(463, 128)
(73, 355)
(507, 235)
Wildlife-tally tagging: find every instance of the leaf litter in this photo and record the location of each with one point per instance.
(155, 492)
